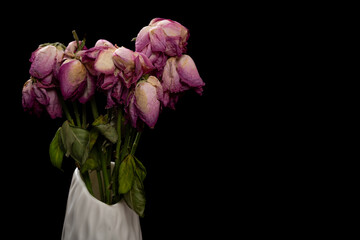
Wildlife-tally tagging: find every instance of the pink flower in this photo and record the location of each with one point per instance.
(45, 63)
(36, 98)
(75, 80)
(145, 102)
(180, 74)
(98, 59)
(161, 39)
(131, 65)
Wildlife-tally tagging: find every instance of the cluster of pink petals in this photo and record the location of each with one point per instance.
(36, 99)
(161, 39)
(142, 81)
(164, 42)
(39, 92)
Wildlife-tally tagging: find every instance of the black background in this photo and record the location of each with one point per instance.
(215, 164)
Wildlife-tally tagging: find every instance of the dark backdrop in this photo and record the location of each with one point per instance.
(212, 163)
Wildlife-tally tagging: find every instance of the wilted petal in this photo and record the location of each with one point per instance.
(109, 82)
(28, 96)
(147, 103)
(109, 101)
(104, 62)
(157, 39)
(124, 58)
(54, 107)
(171, 78)
(89, 89)
(41, 95)
(72, 75)
(90, 54)
(142, 39)
(146, 64)
(58, 60)
(188, 72)
(156, 83)
(43, 61)
(133, 111)
(47, 81)
(104, 43)
(158, 59)
(138, 71)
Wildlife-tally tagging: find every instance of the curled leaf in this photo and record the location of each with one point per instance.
(55, 151)
(126, 174)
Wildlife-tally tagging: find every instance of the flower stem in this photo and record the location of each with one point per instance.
(66, 110)
(94, 108)
(115, 175)
(77, 114)
(118, 129)
(84, 116)
(106, 179)
(87, 181)
(135, 143)
(100, 182)
(75, 37)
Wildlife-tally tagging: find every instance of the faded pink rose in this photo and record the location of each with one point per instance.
(145, 102)
(161, 39)
(180, 74)
(131, 65)
(36, 99)
(45, 63)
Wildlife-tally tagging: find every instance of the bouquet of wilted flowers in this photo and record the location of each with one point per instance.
(135, 86)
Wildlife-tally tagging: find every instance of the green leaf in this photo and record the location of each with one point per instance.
(94, 160)
(81, 145)
(66, 137)
(93, 137)
(135, 198)
(109, 131)
(76, 142)
(55, 151)
(106, 128)
(90, 164)
(140, 169)
(102, 119)
(126, 174)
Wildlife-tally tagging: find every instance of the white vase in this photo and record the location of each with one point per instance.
(87, 218)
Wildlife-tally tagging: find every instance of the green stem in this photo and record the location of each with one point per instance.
(77, 114)
(75, 37)
(115, 175)
(84, 116)
(106, 179)
(78, 45)
(94, 108)
(65, 108)
(100, 182)
(135, 143)
(118, 129)
(87, 181)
